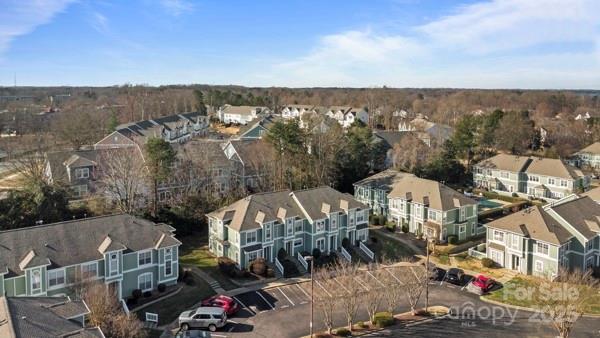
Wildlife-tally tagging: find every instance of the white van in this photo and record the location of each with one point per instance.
(210, 317)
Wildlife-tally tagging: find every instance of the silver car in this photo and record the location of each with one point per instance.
(210, 317)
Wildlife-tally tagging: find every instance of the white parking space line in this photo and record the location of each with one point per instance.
(217, 335)
(304, 292)
(244, 305)
(286, 297)
(469, 281)
(266, 301)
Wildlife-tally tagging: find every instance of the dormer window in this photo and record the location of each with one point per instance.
(113, 264)
(82, 173)
(36, 281)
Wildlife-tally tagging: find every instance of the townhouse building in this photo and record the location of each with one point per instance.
(261, 224)
(540, 240)
(32, 317)
(345, 116)
(588, 157)
(432, 209)
(373, 190)
(122, 251)
(529, 176)
(76, 169)
(177, 128)
(292, 111)
(239, 114)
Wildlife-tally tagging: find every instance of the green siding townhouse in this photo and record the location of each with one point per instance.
(539, 240)
(432, 209)
(529, 176)
(260, 225)
(122, 251)
(373, 190)
(588, 157)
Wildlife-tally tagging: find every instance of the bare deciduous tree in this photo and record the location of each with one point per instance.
(123, 177)
(106, 312)
(563, 301)
(414, 284)
(376, 290)
(326, 298)
(351, 292)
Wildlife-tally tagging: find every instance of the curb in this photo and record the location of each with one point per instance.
(522, 308)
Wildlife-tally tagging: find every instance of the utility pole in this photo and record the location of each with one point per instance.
(312, 285)
(427, 279)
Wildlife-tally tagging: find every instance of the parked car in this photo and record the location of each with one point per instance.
(210, 317)
(226, 303)
(481, 284)
(436, 274)
(455, 276)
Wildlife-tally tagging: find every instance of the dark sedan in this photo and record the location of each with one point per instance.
(455, 276)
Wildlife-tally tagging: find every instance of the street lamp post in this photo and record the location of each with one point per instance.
(312, 285)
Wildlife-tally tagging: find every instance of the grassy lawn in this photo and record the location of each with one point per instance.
(194, 251)
(474, 264)
(169, 309)
(508, 296)
(388, 248)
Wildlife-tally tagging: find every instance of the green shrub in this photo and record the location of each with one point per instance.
(383, 319)
(281, 254)
(382, 219)
(147, 294)
(345, 242)
(452, 239)
(316, 253)
(374, 219)
(343, 332)
(405, 229)
(390, 226)
(362, 325)
(161, 287)
(487, 263)
(136, 294)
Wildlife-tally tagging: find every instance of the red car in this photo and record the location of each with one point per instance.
(226, 303)
(481, 284)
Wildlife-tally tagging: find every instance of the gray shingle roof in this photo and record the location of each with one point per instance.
(77, 241)
(433, 193)
(58, 160)
(582, 213)
(43, 317)
(532, 165)
(384, 180)
(245, 214)
(535, 223)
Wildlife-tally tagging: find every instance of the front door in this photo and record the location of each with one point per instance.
(516, 263)
(267, 253)
(289, 248)
(332, 243)
(351, 236)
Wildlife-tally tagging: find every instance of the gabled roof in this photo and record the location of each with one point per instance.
(594, 194)
(153, 127)
(581, 213)
(533, 223)
(264, 122)
(50, 317)
(205, 152)
(242, 110)
(383, 180)
(593, 148)
(59, 160)
(249, 212)
(532, 165)
(243, 213)
(311, 201)
(435, 194)
(77, 241)
(505, 162)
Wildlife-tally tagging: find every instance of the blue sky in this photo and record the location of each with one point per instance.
(357, 43)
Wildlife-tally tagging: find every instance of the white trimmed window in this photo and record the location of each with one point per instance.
(539, 266)
(360, 216)
(551, 181)
(145, 281)
(36, 281)
(320, 226)
(168, 262)
(498, 236)
(56, 278)
(333, 222)
(462, 228)
(79, 190)
(252, 256)
(89, 270)
(144, 258)
(432, 215)
(589, 245)
(298, 226)
(516, 242)
(113, 264)
(82, 173)
(533, 178)
(289, 225)
(268, 232)
(321, 244)
(563, 183)
(542, 248)
(298, 243)
(251, 237)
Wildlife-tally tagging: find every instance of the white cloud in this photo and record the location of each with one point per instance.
(177, 7)
(500, 43)
(21, 17)
(99, 22)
